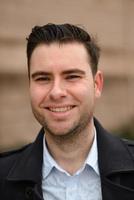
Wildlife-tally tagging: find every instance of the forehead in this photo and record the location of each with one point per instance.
(57, 55)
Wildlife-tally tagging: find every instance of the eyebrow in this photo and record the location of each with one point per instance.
(71, 71)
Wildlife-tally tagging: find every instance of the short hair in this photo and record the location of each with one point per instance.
(63, 33)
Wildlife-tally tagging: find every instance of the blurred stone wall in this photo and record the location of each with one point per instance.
(110, 20)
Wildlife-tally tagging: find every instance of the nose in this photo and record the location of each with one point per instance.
(58, 90)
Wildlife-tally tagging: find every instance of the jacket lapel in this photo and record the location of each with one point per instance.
(116, 166)
(27, 170)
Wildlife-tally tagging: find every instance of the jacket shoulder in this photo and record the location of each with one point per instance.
(7, 159)
(130, 145)
(13, 152)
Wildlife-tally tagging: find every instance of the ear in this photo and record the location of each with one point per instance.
(98, 81)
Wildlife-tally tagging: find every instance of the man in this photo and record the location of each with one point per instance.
(75, 158)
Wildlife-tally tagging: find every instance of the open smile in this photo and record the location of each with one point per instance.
(60, 109)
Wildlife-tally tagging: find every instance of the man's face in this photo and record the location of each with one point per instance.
(62, 88)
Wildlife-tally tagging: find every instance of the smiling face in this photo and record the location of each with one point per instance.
(62, 88)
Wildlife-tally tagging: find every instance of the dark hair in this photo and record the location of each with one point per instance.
(63, 33)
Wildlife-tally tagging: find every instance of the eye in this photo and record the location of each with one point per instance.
(43, 79)
(73, 77)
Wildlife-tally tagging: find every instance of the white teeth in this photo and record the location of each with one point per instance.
(62, 109)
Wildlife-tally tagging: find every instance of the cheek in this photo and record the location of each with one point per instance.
(79, 94)
(83, 92)
(37, 95)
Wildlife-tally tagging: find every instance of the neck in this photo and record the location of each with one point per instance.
(70, 153)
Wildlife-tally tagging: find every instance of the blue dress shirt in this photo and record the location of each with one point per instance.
(57, 184)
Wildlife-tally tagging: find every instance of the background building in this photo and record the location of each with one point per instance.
(110, 20)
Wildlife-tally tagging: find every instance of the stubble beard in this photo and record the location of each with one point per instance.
(70, 134)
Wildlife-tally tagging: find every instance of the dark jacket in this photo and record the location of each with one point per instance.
(21, 170)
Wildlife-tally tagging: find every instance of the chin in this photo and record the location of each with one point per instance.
(56, 132)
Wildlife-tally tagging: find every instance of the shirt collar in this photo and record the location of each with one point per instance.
(49, 163)
(92, 158)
